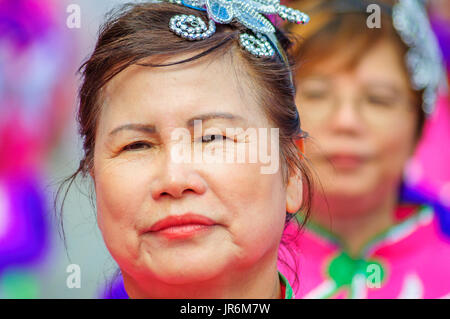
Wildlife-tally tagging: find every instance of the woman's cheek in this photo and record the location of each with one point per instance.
(395, 149)
(249, 196)
(123, 182)
(119, 190)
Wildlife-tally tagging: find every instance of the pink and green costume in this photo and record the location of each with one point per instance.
(409, 260)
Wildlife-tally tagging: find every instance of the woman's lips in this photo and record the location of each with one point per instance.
(182, 226)
(347, 162)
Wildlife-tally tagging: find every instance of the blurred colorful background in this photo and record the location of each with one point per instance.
(41, 48)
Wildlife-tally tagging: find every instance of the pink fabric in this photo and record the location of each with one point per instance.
(414, 256)
(429, 170)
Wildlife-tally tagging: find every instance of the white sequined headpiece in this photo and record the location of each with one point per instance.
(424, 58)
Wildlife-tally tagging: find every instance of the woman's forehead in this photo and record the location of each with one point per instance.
(383, 63)
(181, 91)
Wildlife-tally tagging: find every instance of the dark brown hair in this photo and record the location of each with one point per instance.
(140, 31)
(339, 26)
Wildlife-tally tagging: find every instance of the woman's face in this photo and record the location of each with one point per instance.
(361, 121)
(181, 222)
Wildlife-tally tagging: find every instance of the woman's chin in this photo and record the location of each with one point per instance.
(182, 271)
(350, 185)
(188, 278)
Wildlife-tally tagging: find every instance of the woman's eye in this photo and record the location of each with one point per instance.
(314, 94)
(380, 100)
(136, 146)
(212, 138)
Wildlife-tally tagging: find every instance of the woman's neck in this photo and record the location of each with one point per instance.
(260, 282)
(355, 222)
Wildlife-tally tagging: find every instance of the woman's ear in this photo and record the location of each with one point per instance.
(294, 193)
(301, 147)
(91, 172)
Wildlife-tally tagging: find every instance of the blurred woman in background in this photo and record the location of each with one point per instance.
(365, 90)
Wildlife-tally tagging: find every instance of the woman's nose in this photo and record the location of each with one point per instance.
(177, 179)
(347, 118)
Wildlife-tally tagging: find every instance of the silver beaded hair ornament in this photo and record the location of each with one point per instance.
(250, 13)
(424, 58)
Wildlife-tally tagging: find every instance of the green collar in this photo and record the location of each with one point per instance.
(423, 212)
(288, 294)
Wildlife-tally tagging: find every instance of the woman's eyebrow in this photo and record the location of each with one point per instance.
(150, 129)
(385, 85)
(216, 115)
(146, 128)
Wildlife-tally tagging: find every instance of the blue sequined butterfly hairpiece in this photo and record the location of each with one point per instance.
(250, 13)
